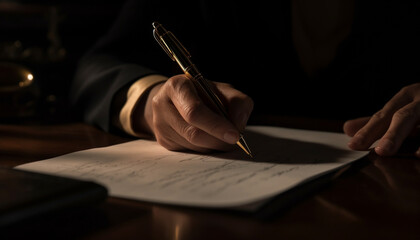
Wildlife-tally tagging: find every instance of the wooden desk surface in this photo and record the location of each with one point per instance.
(380, 200)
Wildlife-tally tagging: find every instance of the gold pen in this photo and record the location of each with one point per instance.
(177, 52)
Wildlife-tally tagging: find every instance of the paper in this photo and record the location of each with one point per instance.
(144, 170)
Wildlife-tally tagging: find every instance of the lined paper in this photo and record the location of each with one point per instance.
(143, 170)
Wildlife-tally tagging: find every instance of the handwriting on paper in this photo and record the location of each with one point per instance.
(146, 171)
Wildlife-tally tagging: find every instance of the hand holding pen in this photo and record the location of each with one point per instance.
(180, 120)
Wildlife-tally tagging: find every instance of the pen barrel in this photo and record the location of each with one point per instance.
(207, 89)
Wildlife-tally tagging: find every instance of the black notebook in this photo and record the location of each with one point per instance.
(26, 194)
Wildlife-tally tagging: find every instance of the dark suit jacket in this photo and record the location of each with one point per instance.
(249, 45)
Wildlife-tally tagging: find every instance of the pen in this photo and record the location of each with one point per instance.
(177, 52)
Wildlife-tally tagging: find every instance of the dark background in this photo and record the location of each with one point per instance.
(48, 37)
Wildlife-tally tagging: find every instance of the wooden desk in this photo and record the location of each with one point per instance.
(380, 200)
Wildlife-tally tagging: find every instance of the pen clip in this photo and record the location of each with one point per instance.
(179, 45)
(173, 41)
(163, 45)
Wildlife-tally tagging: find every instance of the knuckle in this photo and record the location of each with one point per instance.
(156, 102)
(177, 83)
(410, 91)
(191, 133)
(192, 111)
(160, 99)
(405, 113)
(172, 82)
(380, 115)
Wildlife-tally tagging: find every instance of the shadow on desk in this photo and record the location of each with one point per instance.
(285, 150)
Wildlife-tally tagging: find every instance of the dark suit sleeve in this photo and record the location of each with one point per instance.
(119, 58)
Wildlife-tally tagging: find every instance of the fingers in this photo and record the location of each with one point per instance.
(173, 133)
(163, 116)
(240, 105)
(351, 127)
(403, 121)
(182, 121)
(392, 124)
(195, 112)
(371, 131)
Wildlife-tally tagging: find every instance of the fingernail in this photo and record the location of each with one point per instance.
(385, 147)
(231, 137)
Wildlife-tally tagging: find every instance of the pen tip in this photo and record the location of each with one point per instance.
(241, 143)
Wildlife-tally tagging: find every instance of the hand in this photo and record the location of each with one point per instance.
(178, 118)
(399, 118)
